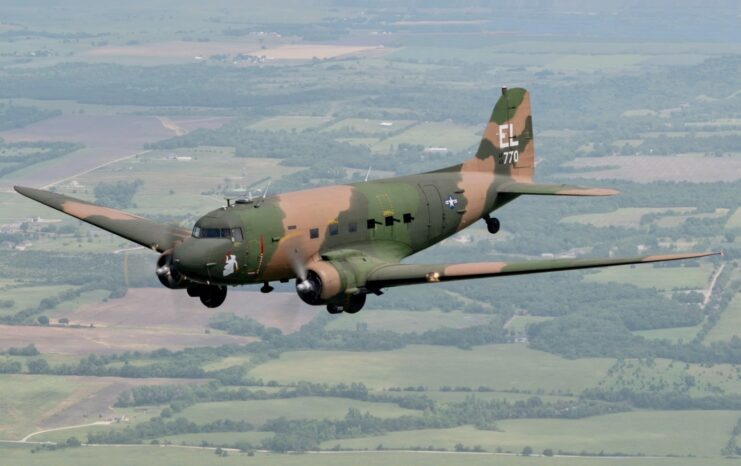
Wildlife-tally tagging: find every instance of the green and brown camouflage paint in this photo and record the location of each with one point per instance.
(355, 235)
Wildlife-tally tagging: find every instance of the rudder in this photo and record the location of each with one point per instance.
(508, 147)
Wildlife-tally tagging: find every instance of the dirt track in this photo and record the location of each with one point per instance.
(98, 402)
(177, 312)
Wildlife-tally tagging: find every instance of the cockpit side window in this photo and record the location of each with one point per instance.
(235, 234)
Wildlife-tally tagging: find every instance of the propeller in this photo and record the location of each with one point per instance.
(308, 284)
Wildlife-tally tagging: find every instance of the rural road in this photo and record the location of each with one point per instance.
(708, 292)
(98, 423)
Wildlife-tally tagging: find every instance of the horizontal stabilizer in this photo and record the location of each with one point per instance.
(408, 274)
(554, 190)
(132, 227)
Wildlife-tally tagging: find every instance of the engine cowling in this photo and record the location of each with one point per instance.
(333, 285)
(323, 282)
(168, 274)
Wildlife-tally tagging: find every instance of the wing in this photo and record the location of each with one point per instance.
(408, 274)
(137, 229)
(554, 190)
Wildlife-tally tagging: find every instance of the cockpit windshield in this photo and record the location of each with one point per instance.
(235, 234)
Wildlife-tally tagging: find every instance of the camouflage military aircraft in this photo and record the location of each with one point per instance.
(341, 243)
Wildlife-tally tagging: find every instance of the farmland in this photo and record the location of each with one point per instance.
(667, 278)
(633, 433)
(189, 456)
(503, 367)
(188, 103)
(258, 412)
(645, 169)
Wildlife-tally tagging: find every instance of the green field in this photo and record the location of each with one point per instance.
(665, 375)
(368, 142)
(290, 123)
(133, 416)
(257, 412)
(734, 222)
(530, 56)
(501, 367)
(367, 126)
(86, 298)
(207, 171)
(218, 438)
(454, 137)
(24, 297)
(407, 321)
(229, 361)
(677, 220)
(520, 323)
(99, 242)
(685, 334)
(452, 397)
(27, 399)
(134, 455)
(626, 217)
(729, 324)
(661, 278)
(130, 76)
(702, 433)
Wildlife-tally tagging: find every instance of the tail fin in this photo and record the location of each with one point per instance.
(508, 147)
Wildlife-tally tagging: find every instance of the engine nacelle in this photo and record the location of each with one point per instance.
(333, 285)
(168, 273)
(323, 283)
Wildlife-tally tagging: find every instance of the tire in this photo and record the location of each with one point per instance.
(493, 225)
(213, 296)
(355, 303)
(194, 291)
(334, 309)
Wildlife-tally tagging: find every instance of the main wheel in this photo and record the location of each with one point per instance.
(493, 225)
(334, 309)
(194, 291)
(354, 303)
(351, 304)
(213, 296)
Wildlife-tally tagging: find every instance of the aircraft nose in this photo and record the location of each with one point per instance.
(200, 258)
(189, 259)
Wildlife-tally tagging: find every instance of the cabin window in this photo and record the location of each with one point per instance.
(407, 218)
(352, 227)
(334, 228)
(237, 234)
(291, 227)
(314, 233)
(371, 223)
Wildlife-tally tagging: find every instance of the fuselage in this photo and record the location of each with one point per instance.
(259, 240)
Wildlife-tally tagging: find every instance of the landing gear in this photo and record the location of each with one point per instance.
(492, 224)
(334, 309)
(211, 295)
(351, 304)
(266, 288)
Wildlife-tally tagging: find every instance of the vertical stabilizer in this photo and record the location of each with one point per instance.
(507, 147)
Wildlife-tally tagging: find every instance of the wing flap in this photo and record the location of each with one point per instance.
(554, 190)
(408, 274)
(140, 230)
